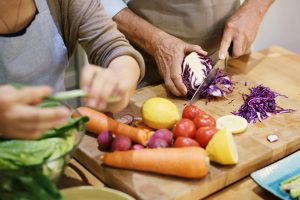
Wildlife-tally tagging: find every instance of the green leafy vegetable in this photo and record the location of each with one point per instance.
(28, 184)
(29, 167)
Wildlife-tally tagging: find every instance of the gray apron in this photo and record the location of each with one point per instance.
(198, 22)
(37, 57)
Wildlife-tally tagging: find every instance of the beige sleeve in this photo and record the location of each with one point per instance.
(99, 36)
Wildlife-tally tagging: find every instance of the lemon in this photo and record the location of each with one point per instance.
(233, 123)
(159, 113)
(222, 148)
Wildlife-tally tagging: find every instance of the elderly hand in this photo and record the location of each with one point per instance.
(169, 53)
(118, 80)
(241, 28)
(20, 119)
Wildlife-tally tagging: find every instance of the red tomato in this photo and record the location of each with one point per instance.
(204, 120)
(191, 111)
(184, 128)
(185, 142)
(204, 135)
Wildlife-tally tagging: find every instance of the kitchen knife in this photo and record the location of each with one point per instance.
(217, 64)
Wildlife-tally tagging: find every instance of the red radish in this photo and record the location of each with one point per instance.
(164, 134)
(158, 143)
(121, 143)
(104, 140)
(137, 147)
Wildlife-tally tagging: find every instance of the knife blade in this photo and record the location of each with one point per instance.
(217, 64)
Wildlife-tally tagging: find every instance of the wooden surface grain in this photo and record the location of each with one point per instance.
(274, 67)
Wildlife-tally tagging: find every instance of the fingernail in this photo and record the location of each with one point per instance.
(92, 102)
(222, 56)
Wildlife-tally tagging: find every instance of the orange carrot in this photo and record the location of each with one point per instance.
(100, 122)
(188, 162)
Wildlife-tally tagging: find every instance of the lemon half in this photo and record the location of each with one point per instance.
(233, 123)
(222, 148)
(159, 113)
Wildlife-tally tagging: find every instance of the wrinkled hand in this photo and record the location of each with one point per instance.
(103, 83)
(20, 119)
(241, 29)
(169, 53)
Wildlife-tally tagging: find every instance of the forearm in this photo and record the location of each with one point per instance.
(138, 30)
(261, 6)
(127, 69)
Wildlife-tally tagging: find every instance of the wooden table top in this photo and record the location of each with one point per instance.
(258, 68)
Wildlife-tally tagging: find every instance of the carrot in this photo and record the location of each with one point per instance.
(100, 122)
(188, 162)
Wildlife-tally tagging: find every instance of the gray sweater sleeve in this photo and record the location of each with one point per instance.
(86, 22)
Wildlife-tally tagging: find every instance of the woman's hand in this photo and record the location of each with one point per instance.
(118, 80)
(242, 27)
(20, 119)
(169, 53)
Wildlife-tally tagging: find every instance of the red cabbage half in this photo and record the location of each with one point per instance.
(260, 104)
(195, 68)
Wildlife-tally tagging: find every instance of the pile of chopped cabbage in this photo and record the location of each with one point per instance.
(260, 104)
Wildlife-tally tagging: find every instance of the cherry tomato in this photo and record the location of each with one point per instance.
(184, 128)
(185, 142)
(191, 111)
(204, 134)
(204, 120)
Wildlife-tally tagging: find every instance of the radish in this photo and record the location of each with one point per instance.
(164, 134)
(121, 143)
(104, 140)
(158, 143)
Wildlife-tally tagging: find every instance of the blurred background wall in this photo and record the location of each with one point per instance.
(281, 26)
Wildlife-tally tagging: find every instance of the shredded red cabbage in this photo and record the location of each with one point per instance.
(195, 69)
(220, 86)
(260, 104)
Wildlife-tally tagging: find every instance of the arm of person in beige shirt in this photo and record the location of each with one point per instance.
(242, 27)
(167, 50)
(106, 47)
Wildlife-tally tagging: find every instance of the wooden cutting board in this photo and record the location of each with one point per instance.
(253, 148)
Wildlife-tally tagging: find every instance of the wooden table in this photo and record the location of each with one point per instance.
(257, 67)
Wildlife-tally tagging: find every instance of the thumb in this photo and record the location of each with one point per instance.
(225, 44)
